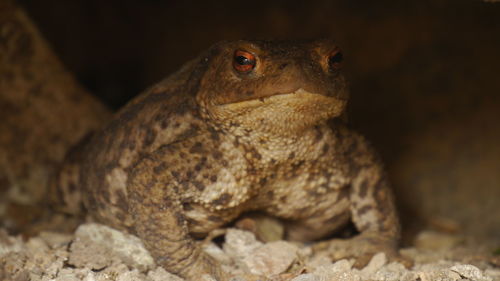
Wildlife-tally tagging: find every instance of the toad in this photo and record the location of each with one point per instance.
(246, 126)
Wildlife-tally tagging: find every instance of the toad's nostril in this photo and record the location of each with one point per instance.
(282, 66)
(335, 60)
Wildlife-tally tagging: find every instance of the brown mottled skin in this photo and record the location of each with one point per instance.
(208, 143)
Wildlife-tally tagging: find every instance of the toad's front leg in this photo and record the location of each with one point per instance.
(373, 213)
(374, 216)
(156, 207)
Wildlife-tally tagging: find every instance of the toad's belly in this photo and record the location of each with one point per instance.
(305, 197)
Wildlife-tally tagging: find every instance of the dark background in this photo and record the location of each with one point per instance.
(425, 79)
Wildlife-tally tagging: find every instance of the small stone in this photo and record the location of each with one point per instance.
(52, 269)
(375, 264)
(436, 271)
(272, 258)
(90, 277)
(54, 239)
(409, 276)
(341, 265)
(493, 273)
(339, 271)
(470, 272)
(98, 246)
(438, 275)
(131, 275)
(12, 266)
(9, 243)
(391, 272)
(37, 244)
(69, 274)
(240, 243)
(318, 261)
(217, 253)
(306, 277)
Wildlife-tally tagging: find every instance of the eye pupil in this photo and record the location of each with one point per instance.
(243, 61)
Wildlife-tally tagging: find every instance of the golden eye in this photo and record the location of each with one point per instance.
(243, 61)
(335, 60)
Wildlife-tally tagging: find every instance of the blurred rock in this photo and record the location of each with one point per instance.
(432, 240)
(265, 228)
(44, 110)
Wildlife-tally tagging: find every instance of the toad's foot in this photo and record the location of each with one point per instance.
(362, 248)
(206, 268)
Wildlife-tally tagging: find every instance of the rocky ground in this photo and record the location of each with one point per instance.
(96, 252)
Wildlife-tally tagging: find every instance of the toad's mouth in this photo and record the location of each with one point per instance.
(284, 95)
(298, 93)
(300, 102)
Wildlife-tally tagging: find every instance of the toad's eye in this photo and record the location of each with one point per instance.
(335, 60)
(243, 61)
